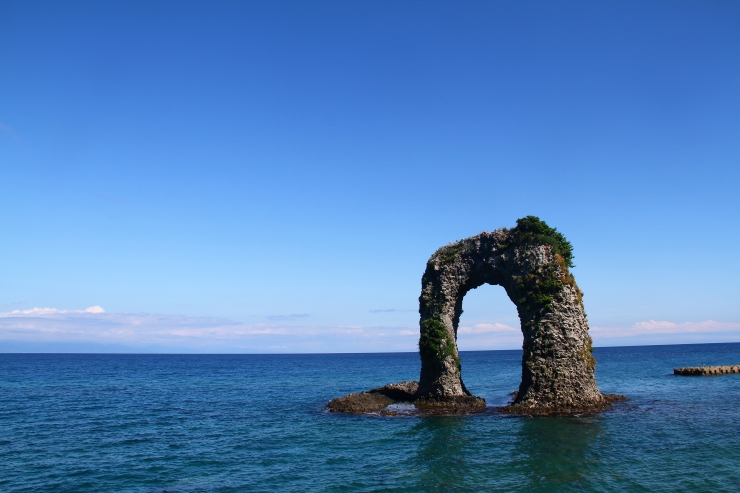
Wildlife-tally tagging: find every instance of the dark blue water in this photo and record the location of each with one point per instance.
(183, 423)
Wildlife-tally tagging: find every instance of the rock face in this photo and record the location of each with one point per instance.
(531, 263)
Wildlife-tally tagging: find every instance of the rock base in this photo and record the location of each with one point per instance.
(527, 409)
(463, 404)
(375, 400)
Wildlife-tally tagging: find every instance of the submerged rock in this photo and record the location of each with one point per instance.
(460, 404)
(375, 399)
(361, 403)
(563, 408)
(378, 399)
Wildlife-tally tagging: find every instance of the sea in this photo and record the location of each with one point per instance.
(258, 423)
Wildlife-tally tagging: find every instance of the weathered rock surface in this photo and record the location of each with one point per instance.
(706, 370)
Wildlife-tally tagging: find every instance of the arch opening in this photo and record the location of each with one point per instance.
(488, 321)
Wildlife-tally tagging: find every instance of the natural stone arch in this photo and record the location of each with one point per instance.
(531, 262)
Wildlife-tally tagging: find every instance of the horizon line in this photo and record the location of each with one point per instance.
(338, 353)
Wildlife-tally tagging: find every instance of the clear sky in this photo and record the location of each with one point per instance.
(273, 176)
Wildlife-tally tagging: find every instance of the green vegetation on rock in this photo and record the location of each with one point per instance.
(544, 282)
(532, 229)
(540, 285)
(435, 342)
(587, 354)
(447, 254)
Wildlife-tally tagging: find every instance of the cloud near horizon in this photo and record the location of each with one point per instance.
(497, 335)
(51, 311)
(488, 336)
(665, 332)
(143, 331)
(172, 333)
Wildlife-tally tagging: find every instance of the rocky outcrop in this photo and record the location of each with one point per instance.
(531, 262)
(376, 399)
(706, 370)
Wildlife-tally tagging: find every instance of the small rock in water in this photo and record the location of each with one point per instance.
(375, 399)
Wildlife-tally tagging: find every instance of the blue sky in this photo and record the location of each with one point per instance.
(272, 176)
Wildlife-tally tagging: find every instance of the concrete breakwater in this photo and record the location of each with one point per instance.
(706, 370)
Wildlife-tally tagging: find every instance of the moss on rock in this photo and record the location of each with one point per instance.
(435, 343)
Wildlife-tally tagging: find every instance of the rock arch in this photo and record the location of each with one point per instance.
(531, 262)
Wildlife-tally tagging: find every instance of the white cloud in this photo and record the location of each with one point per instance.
(665, 327)
(484, 328)
(666, 332)
(33, 311)
(488, 336)
(183, 334)
(152, 332)
(50, 311)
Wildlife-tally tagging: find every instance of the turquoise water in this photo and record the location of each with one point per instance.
(185, 423)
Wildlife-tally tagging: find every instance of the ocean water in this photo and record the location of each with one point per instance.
(185, 423)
